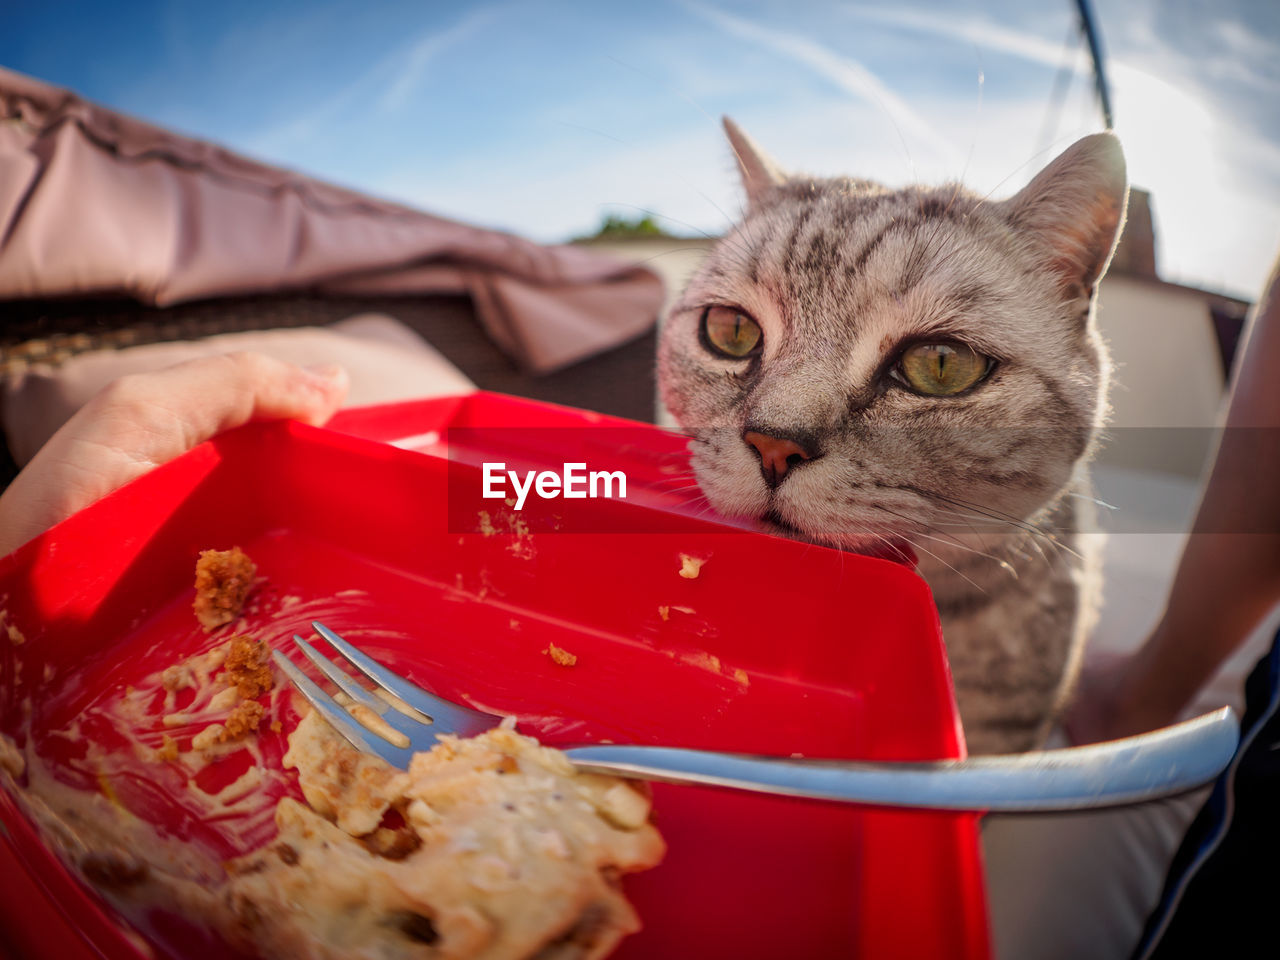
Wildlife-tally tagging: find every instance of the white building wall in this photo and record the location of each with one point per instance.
(1168, 374)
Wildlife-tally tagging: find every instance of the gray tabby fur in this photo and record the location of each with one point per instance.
(839, 274)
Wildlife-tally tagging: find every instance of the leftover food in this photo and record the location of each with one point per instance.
(223, 580)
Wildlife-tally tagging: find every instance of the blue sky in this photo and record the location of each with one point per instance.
(539, 115)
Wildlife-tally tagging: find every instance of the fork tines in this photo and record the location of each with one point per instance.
(405, 720)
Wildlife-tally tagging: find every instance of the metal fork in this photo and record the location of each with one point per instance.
(1164, 763)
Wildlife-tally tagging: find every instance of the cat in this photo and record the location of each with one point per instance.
(861, 367)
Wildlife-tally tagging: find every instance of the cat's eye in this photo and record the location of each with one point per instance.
(941, 369)
(731, 332)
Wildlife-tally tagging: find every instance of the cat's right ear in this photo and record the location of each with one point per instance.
(759, 173)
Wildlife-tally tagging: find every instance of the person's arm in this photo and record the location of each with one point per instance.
(1228, 577)
(143, 420)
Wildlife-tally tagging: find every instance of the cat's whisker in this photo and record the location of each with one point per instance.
(658, 81)
(667, 253)
(662, 216)
(682, 489)
(1003, 564)
(883, 539)
(702, 507)
(703, 512)
(954, 542)
(739, 246)
(697, 437)
(955, 194)
(671, 172)
(715, 206)
(1039, 154)
(974, 511)
(992, 513)
(965, 527)
(982, 80)
(1036, 534)
(684, 476)
(981, 534)
(951, 567)
(976, 523)
(843, 546)
(1094, 500)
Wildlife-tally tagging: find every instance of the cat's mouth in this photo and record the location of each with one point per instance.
(773, 519)
(892, 548)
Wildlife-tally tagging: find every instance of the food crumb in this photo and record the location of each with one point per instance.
(741, 676)
(208, 737)
(16, 636)
(664, 612)
(168, 749)
(11, 758)
(561, 656)
(180, 676)
(223, 580)
(247, 668)
(624, 806)
(690, 567)
(244, 720)
(241, 722)
(703, 660)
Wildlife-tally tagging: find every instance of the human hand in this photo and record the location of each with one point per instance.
(1114, 698)
(143, 420)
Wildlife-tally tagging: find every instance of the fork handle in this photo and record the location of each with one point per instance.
(1166, 762)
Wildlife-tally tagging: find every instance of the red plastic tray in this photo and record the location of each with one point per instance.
(777, 647)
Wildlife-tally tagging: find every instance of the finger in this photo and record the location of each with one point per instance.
(186, 404)
(143, 420)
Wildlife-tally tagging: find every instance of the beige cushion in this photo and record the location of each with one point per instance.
(387, 362)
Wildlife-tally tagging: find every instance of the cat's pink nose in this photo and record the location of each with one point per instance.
(777, 455)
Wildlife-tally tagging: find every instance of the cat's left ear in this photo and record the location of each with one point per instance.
(1075, 208)
(759, 173)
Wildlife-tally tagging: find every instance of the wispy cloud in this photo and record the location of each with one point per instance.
(848, 75)
(1247, 57)
(389, 83)
(977, 31)
(424, 50)
(279, 139)
(1184, 141)
(1246, 42)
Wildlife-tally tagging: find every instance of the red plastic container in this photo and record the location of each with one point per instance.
(776, 647)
